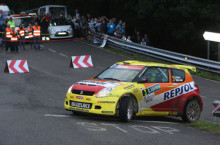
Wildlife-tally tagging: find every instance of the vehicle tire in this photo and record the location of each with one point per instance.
(126, 109)
(191, 111)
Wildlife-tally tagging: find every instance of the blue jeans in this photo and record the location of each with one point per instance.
(37, 40)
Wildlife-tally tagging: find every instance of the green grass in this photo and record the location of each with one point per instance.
(200, 73)
(206, 126)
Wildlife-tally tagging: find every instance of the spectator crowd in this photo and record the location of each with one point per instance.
(81, 26)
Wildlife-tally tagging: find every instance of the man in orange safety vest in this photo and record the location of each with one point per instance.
(14, 40)
(7, 38)
(21, 36)
(36, 35)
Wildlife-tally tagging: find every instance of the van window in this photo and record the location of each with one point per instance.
(178, 76)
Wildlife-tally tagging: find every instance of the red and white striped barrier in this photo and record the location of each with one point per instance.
(17, 66)
(81, 61)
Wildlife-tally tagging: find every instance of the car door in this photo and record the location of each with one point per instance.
(157, 83)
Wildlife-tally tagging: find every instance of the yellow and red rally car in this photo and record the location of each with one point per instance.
(131, 88)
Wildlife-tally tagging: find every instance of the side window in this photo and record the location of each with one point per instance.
(178, 76)
(156, 75)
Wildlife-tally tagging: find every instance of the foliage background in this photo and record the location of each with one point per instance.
(176, 25)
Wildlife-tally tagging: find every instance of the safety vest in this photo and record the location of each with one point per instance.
(36, 31)
(8, 33)
(30, 32)
(14, 37)
(21, 32)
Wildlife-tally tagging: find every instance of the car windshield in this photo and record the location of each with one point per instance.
(24, 21)
(120, 72)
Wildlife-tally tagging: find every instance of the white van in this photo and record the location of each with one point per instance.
(54, 10)
(6, 10)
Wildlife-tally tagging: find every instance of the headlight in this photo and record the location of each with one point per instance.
(70, 89)
(104, 92)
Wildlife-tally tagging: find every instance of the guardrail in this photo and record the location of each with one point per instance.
(216, 111)
(203, 64)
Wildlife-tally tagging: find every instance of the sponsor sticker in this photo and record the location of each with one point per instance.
(128, 87)
(178, 91)
(80, 97)
(135, 67)
(81, 105)
(108, 102)
(113, 95)
(107, 111)
(148, 93)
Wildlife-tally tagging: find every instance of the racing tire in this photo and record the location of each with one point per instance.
(126, 109)
(191, 111)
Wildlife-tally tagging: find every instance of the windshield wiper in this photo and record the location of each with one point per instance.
(111, 79)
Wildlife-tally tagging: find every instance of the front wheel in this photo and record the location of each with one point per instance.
(126, 109)
(191, 111)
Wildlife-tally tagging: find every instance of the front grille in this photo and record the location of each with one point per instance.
(80, 92)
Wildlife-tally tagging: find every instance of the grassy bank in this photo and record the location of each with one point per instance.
(206, 126)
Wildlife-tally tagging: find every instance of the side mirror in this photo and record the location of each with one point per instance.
(143, 79)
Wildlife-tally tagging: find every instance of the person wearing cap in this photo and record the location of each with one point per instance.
(36, 32)
(7, 38)
(11, 22)
(14, 40)
(21, 36)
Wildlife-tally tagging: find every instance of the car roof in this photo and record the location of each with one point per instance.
(134, 62)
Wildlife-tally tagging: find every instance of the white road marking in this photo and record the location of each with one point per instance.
(63, 55)
(115, 125)
(166, 129)
(100, 68)
(163, 122)
(42, 46)
(144, 129)
(91, 126)
(54, 115)
(52, 50)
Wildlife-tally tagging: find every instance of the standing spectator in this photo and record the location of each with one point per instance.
(137, 37)
(44, 26)
(8, 38)
(91, 24)
(111, 27)
(77, 14)
(116, 34)
(98, 26)
(3, 27)
(36, 32)
(143, 42)
(30, 34)
(104, 27)
(14, 40)
(119, 27)
(124, 29)
(129, 39)
(21, 36)
(84, 31)
(84, 21)
(146, 39)
(11, 22)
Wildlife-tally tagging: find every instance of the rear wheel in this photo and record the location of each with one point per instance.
(192, 111)
(126, 109)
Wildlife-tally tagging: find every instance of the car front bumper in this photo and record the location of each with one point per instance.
(103, 106)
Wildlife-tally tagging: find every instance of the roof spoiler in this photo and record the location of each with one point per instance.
(192, 68)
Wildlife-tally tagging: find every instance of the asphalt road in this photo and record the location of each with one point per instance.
(32, 113)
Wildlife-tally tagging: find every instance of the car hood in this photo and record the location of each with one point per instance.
(60, 28)
(95, 85)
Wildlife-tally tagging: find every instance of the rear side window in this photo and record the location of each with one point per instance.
(178, 76)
